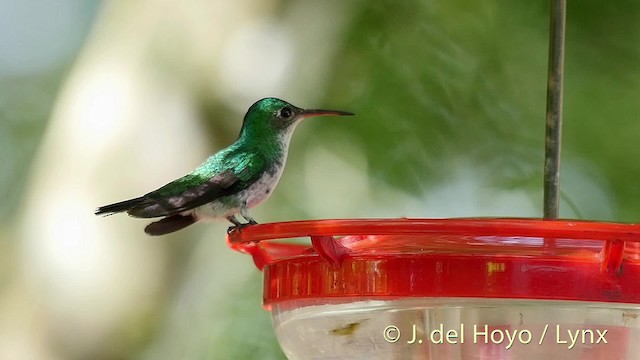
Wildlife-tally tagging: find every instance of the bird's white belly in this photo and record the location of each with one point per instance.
(248, 198)
(260, 191)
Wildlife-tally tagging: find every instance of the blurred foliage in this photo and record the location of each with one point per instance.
(434, 81)
(601, 92)
(442, 80)
(25, 105)
(37, 58)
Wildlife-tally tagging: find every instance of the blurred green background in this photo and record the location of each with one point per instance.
(102, 101)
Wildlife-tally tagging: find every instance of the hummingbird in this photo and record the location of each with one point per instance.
(231, 181)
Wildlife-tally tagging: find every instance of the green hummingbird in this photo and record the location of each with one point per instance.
(230, 182)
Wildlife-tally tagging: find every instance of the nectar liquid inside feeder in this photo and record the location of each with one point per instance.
(450, 288)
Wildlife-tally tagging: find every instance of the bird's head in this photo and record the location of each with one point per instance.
(275, 116)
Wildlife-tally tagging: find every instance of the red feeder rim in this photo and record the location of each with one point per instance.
(352, 259)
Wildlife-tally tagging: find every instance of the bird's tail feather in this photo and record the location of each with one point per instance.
(120, 206)
(169, 224)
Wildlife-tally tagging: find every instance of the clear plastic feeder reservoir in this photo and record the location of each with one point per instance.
(451, 288)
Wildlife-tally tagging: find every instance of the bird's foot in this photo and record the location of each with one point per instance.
(239, 227)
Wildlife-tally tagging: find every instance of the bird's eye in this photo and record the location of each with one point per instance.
(285, 112)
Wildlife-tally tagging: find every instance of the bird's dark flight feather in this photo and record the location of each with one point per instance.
(120, 206)
(167, 201)
(169, 224)
(192, 197)
(157, 203)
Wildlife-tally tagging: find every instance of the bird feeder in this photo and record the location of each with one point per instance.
(450, 288)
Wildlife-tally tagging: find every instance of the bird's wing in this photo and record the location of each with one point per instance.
(181, 195)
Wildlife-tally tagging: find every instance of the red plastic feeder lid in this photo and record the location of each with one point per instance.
(479, 258)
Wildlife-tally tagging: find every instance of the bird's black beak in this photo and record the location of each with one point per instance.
(315, 112)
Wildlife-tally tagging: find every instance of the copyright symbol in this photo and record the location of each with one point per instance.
(391, 333)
